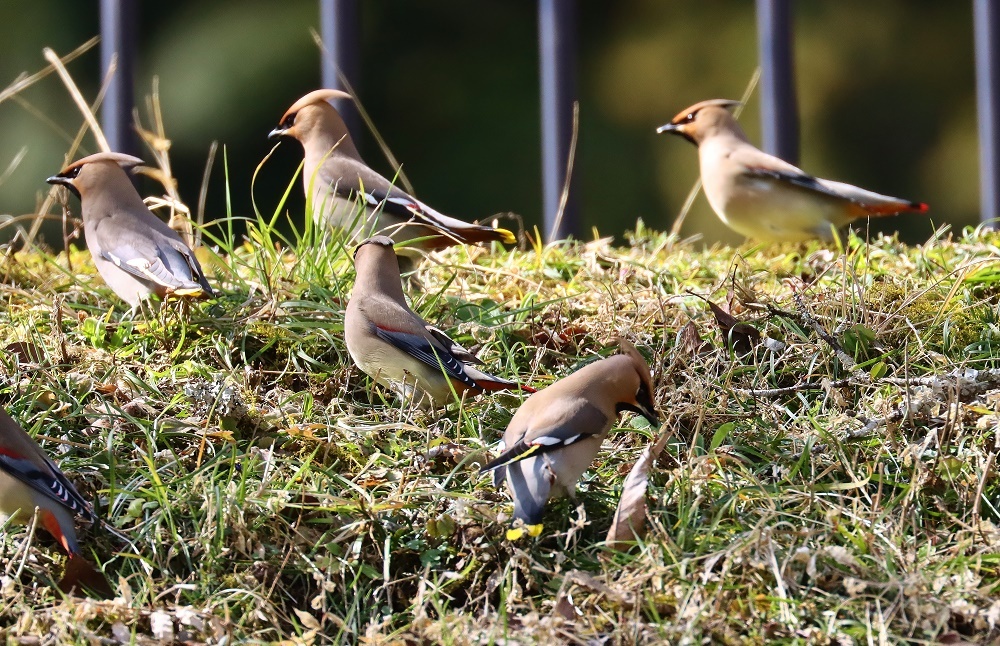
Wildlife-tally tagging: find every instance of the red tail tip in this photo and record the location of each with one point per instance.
(503, 384)
(920, 207)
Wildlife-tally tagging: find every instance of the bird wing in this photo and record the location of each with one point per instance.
(23, 459)
(396, 203)
(758, 164)
(458, 351)
(155, 258)
(423, 349)
(579, 423)
(350, 179)
(801, 180)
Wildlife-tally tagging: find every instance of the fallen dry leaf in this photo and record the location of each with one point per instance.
(630, 518)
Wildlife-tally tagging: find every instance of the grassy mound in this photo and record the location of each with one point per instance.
(829, 476)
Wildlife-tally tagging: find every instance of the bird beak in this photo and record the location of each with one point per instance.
(64, 181)
(676, 129)
(276, 134)
(650, 414)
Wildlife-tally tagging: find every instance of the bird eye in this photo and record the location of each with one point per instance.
(72, 174)
(289, 121)
(689, 118)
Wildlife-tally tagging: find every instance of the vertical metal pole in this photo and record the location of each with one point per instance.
(780, 119)
(986, 25)
(557, 54)
(339, 26)
(118, 38)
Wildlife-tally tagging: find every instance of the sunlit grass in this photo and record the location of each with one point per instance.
(271, 490)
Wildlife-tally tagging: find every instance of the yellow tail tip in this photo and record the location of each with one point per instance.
(514, 534)
(506, 236)
(531, 530)
(189, 292)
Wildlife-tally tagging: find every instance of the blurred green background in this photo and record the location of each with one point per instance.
(886, 96)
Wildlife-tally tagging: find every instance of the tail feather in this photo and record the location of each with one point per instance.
(475, 233)
(870, 203)
(892, 208)
(67, 539)
(496, 383)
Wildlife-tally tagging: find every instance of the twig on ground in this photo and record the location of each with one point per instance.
(842, 354)
(788, 390)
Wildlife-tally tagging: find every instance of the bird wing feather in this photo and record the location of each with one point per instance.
(145, 261)
(458, 351)
(800, 180)
(585, 421)
(758, 164)
(422, 349)
(140, 247)
(24, 460)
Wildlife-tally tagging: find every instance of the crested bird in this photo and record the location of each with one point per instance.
(397, 348)
(31, 483)
(556, 433)
(349, 195)
(764, 197)
(135, 252)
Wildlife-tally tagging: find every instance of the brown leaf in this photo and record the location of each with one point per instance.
(26, 352)
(739, 336)
(630, 518)
(564, 607)
(691, 343)
(81, 577)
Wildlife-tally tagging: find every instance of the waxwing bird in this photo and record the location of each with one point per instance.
(339, 182)
(32, 485)
(556, 433)
(397, 348)
(30, 481)
(135, 252)
(764, 197)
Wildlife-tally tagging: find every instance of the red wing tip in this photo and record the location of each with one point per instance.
(895, 208)
(51, 525)
(503, 385)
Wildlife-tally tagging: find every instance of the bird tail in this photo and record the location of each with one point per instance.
(486, 381)
(67, 539)
(492, 383)
(872, 203)
(519, 451)
(475, 233)
(902, 206)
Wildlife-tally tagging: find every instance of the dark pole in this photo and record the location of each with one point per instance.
(118, 37)
(780, 119)
(557, 54)
(986, 24)
(339, 26)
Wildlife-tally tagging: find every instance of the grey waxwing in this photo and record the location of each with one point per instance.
(349, 195)
(764, 197)
(397, 348)
(556, 433)
(31, 483)
(135, 252)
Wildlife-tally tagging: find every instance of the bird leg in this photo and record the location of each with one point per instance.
(576, 526)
